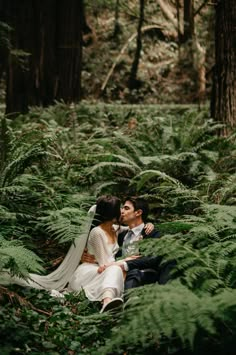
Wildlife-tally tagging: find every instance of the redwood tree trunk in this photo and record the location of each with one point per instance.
(188, 34)
(117, 28)
(133, 73)
(69, 50)
(18, 16)
(188, 20)
(223, 103)
(50, 34)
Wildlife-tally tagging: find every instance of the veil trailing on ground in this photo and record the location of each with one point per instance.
(58, 279)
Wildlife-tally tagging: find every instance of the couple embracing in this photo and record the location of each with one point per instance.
(100, 275)
(90, 263)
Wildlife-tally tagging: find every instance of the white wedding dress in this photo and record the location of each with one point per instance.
(79, 276)
(86, 276)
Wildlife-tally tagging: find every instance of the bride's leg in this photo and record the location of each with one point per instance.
(108, 295)
(110, 302)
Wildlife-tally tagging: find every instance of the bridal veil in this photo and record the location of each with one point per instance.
(58, 279)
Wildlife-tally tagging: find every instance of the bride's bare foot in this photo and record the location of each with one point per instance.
(106, 300)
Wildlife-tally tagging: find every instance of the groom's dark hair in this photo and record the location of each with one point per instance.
(139, 203)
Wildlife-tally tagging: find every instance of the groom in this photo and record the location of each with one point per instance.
(134, 214)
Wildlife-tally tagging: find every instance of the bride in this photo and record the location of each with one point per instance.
(106, 286)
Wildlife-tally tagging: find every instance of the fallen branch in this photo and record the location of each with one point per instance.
(168, 13)
(22, 301)
(200, 8)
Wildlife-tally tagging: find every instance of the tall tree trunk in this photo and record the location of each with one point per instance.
(188, 20)
(50, 35)
(223, 102)
(134, 69)
(117, 28)
(18, 16)
(187, 52)
(69, 50)
(42, 47)
(177, 6)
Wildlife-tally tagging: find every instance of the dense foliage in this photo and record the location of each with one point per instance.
(55, 162)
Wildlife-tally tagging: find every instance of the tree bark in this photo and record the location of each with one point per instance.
(188, 21)
(18, 16)
(117, 27)
(46, 63)
(133, 73)
(188, 38)
(69, 50)
(223, 100)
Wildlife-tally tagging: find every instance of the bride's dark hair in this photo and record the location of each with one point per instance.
(108, 208)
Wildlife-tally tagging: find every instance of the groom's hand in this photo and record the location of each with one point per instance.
(131, 257)
(87, 258)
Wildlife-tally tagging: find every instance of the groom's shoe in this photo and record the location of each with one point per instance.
(114, 304)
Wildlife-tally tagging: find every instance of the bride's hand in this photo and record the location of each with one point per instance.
(148, 228)
(101, 268)
(104, 267)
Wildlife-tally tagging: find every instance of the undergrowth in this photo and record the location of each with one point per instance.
(55, 162)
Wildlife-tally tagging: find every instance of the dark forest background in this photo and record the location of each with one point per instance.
(128, 52)
(119, 97)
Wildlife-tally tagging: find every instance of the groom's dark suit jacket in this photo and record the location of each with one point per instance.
(156, 271)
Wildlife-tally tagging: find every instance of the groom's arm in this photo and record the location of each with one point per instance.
(87, 258)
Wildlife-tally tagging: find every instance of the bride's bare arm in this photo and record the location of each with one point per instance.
(148, 228)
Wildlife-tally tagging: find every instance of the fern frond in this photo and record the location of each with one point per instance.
(195, 266)
(147, 175)
(5, 139)
(227, 191)
(19, 164)
(6, 215)
(205, 231)
(120, 158)
(65, 224)
(128, 146)
(221, 215)
(113, 165)
(19, 260)
(169, 313)
(99, 187)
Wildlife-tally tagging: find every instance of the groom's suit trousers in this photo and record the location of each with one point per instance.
(148, 269)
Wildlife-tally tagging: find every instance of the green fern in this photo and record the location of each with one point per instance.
(112, 166)
(65, 225)
(156, 315)
(17, 259)
(146, 175)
